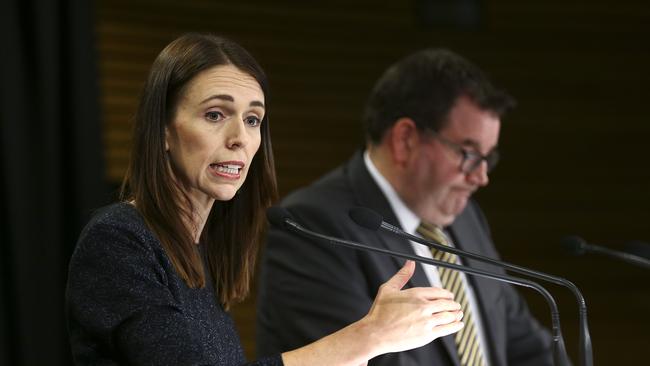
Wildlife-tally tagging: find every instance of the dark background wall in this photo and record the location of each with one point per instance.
(575, 151)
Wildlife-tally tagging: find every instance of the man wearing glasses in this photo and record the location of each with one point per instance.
(432, 125)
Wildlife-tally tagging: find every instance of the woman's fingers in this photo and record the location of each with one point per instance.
(442, 305)
(429, 293)
(445, 317)
(447, 329)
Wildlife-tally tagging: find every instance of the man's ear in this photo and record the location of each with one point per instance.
(403, 140)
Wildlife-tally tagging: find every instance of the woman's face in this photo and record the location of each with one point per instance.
(215, 133)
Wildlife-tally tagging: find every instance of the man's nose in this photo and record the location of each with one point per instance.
(479, 176)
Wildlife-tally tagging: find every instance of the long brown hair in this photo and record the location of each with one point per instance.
(232, 233)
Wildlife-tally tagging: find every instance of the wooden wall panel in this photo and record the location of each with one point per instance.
(575, 152)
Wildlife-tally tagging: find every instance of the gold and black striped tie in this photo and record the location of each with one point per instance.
(467, 342)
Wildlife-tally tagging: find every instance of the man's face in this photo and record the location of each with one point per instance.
(434, 186)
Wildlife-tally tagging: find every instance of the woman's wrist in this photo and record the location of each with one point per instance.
(353, 345)
(366, 338)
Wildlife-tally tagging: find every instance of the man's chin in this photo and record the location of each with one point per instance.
(442, 219)
(443, 213)
(452, 212)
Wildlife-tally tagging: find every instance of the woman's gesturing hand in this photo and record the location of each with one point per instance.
(398, 320)
(404, 319)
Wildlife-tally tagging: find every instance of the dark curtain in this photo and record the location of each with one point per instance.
(51, 168)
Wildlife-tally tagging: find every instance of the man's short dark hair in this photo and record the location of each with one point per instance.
(424, 87)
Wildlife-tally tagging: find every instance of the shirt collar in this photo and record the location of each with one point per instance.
(408, 220)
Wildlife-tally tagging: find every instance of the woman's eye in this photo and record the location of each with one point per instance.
(214, 116)
(253, 121)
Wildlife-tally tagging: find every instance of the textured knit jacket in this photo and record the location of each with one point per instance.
(126, 305)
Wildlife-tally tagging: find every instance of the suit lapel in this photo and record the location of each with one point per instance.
(371, 196)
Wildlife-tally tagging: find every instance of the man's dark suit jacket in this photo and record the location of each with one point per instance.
(310, 289)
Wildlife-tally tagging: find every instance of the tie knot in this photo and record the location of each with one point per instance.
(432, 232)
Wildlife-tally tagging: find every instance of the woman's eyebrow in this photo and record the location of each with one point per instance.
(257, 103)
(225, 97)
(229, 98)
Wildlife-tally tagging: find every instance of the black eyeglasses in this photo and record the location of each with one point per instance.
(471, 160)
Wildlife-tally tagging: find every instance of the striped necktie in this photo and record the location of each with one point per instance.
(467, 342)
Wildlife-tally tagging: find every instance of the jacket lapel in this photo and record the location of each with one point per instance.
(371, 196)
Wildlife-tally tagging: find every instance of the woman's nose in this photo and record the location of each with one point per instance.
(236, 134)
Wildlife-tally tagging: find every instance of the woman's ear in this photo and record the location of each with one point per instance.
(403, 140)
(166, 139)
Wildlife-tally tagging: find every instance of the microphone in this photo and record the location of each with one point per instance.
(373, 221)
(280, 217)
(578, 246)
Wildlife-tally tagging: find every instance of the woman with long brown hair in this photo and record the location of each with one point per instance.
(152, 276)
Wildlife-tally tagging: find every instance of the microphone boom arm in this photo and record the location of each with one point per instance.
(626, 257)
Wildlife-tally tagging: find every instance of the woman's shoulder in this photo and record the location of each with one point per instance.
(117, 229)
(116, 241)
(120, 215)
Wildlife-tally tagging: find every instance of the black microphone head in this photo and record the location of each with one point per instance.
(278, 215)
(366, 217)
(574, 245)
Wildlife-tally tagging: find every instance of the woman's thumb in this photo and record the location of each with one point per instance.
(401, 277)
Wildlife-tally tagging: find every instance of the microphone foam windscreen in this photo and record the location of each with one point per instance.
(277, 215)
(574, 245)
(366, 217)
